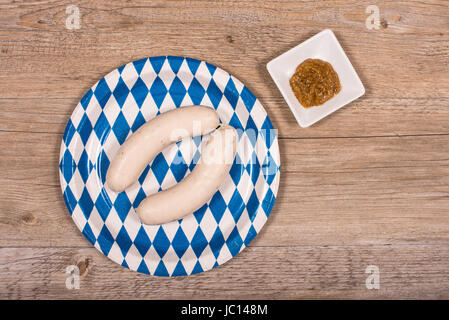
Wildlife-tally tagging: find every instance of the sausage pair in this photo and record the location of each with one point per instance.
(199, 186)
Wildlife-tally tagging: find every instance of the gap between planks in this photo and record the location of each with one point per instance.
(283, 138)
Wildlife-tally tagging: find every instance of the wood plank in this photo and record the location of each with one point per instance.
(368, 185)
(42, 58)
(333, 191)
(406, 271)
(363, 118)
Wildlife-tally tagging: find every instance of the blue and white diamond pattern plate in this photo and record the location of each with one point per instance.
(114, 108)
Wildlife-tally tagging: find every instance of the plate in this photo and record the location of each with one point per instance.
(324, 46)
(114, 108)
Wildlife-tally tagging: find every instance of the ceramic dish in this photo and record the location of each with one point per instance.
(324, 46)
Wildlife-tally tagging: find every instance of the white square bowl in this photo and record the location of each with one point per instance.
(324, 46)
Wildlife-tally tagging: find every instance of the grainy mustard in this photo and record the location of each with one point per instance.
(315, 82)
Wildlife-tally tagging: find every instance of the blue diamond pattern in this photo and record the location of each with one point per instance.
(195, 159)
(217, 206)
(121, 92)
(138, 122)
(161, 269)
(67, 166)
(217, 241)
(252, 206)
(159, 167)
(253, 168)
(193, 65)
(84, 128)
(143, 268)
(267, 132)
(235, 122)
(140, 196)
(252, 233)
(84, 166)
(231, 93)
(157, 63)
(142, 242)
(269, 168)
(197, 268)
(268, 202)
(121, 128)
(199, 242)
(179, 270)
(236, 170)
(69, 199)
(68, 133)
(179, 167)
(180, 243)
(214, 93)
(175, 63)
(211, 68)
(109, 124)
(138, 65)
(86, 203)
(158, 91)
(124, 264)
(248, 98)
(103, 165)
(139, 92)
(196, 91)
(123, 241)
(87, 232)
(236, 205)
(251, 131)
(86, 99)
(199, 214)
(105, 240)
(144, 174)
(161, 242)
(234, 242)
(102, 92)
(102, 128)
(177, 91)
(103, 205)
(122, 205)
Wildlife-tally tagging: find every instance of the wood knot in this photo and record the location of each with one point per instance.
(229, 39)
(384, 24)
(83, 266)
(30, 219)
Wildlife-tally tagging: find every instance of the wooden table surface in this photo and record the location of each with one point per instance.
(368, 185)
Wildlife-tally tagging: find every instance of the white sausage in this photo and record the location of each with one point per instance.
(150, 139)
(199, 186)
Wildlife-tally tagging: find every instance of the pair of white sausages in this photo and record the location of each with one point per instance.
(199, 186)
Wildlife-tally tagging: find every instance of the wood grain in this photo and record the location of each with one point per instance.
(367, 185)
(333, 192)
(291, 272)
(367, 117)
